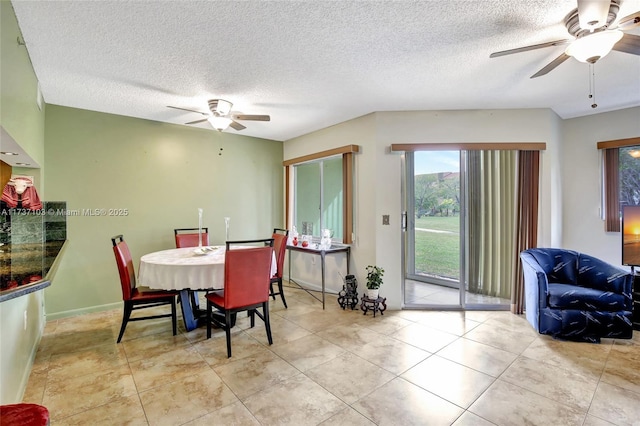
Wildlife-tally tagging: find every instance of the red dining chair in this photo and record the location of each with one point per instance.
(188, 237)
(279, 246)
(133, 298)
(247, 271)
(24, 414)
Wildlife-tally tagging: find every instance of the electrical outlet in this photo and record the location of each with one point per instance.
(385, 219)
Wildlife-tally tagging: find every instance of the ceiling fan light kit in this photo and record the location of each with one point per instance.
(594, 46)
(219, 123)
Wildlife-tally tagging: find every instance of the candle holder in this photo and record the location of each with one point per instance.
(199, 228)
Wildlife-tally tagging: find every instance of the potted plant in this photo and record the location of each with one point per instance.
(374, 281)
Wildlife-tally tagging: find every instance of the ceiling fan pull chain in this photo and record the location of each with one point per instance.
(592, 85)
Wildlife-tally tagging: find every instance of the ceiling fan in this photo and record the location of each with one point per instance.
(594, 38)
(221, 117)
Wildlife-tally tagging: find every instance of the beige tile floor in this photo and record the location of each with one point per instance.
(333, 367)
(420, 293)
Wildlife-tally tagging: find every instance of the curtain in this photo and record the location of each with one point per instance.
(491, 221)
(526, 219)
(611, 161)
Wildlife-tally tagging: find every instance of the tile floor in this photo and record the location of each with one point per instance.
(421, 293)
(333, 367)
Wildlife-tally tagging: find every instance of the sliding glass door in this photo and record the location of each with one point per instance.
(459, 235)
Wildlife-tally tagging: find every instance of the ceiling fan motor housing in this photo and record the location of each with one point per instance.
(220, 107)
(572, 21)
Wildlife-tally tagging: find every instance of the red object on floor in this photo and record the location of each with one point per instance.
(24, 415)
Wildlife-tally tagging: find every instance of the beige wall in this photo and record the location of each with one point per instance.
(378, 175)
(21, 319)
(161, 173)
(360, 131)
(584, 228)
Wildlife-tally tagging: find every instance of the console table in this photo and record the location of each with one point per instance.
(322, 253)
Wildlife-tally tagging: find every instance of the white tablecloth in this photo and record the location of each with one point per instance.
(179, 269)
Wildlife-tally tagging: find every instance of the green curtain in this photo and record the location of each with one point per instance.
(491, 183)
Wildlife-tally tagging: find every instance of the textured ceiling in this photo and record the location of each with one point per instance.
(312, 64)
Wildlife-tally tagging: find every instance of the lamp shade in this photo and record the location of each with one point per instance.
(594, 46)
(219, 123)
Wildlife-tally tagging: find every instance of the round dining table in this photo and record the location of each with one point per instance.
(182, 268)
(187, 269)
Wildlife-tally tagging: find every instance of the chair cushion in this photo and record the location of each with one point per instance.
(567, 296)
(159, 294)
(216, 297)
(24, 415)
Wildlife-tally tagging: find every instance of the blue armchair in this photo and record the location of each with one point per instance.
(574, 296)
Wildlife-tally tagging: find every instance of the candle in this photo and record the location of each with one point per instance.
(200, 228)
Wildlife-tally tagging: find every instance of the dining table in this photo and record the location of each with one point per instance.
(186, 270)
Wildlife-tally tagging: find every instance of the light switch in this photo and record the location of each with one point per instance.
(385, 219)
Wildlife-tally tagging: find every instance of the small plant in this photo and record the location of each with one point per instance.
(374, 277)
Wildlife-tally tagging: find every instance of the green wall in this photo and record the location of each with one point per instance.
(21, 319)
(161, 174)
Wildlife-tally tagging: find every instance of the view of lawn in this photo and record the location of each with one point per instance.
(438, 253)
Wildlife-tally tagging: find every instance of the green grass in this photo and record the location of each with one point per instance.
(438, 253)
(446, 223)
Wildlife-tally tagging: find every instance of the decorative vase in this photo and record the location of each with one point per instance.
(372, 293)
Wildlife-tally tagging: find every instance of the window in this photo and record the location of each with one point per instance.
(621, 179)
(319, 193)
(318, 198)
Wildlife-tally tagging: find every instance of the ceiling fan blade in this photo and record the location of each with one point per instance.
(237, 125)
(552, 65)
(526, 48)
(252, 117)
(629, 22)
(629, 43)
(197, 121)
(190, 110)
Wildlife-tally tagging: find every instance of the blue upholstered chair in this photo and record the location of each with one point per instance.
(574, 296)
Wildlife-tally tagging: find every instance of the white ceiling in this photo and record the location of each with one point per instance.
(312, 64)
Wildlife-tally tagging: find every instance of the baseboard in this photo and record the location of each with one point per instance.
(82, 311)
(309, 286)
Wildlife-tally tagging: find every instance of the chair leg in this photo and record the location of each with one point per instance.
(227, 330)
(267, 323)
(271, 293)
(126, 314)
(174, 316)
(284, 302)
(209, 316)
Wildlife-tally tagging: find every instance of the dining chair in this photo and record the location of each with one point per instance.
(188, 237)
(247, 271)
(279, 246)
(136, 297)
